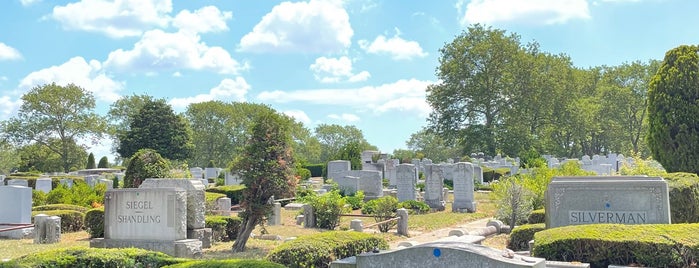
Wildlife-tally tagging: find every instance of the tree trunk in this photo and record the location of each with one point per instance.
(244, 234)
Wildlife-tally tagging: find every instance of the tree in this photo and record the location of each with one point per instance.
(104, 162)
(55, 117)
(157, 127)
(266, 166)
(9, 158)
(432, 146)
(90, 161)
(673, 113)
(36, 157)
(122, 112)
(333, 137)
(146, 163)
(350, 152)
(405, 156)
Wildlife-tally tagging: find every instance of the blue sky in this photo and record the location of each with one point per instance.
(353, 62)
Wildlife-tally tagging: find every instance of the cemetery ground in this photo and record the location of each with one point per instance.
(422, 228)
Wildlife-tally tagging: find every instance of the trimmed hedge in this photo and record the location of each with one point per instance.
(316, 169)
(61, 207)
(521, 235)
(234, 192)
(94, 257)
(319, 250)
(94, 222)
(241, 263)
(210, 201)
(650, 245)
(490, 174)
(224, 228)
(71, 220)
(537, 216)
(684, 197)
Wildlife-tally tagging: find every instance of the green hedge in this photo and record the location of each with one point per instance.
(490, 174)
(224, 228)
(93, 257)
(536, 216)
(94, 222)
(210, 201)
(316, 169)
(234, 192)
(241, 263)
(71, 220)
(684, 197)
(521, 235)
(61, 207)
(650, 245)
(319, 250)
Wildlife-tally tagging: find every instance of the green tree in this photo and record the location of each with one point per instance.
(432, 146)
(267, 168)
(9, 159)
(350, 152)
(403, 155)
(104, 162)
(333, 137)
(673, 113)
(55, 117)
(90, 161)
(36, 157)
(122, 112)
(157, 127)
(146, 163)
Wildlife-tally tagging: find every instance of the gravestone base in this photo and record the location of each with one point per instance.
(202, 234)
(436, 205)
(17, 234)
(469, 207)
(185, 248)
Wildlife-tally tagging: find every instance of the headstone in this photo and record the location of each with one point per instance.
(210, 173)
(612, 199)
(16, 209)
(47, 229)
(586, 160)
(107, 182)
(402, 225)
(434, 183)
(232, 179)
(43, 184)
(308, 216)
(18, 182)
(91, 180)
(371, 183)
(67, 182)
(356, 225)
(416, 163)
(391, 165)
(405, 177)
(196, 207)
(478, 173)
(197, 173)
(2, 180)
(276, 214)
(223, 205)
(463, 188)
(348, 184)
(337, 166)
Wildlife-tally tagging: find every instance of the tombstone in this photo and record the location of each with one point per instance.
(43, 184)
(371, 183)
(390, 172)
(434, 183)
(478, 173)
(2, 180)
(402, 225)
(416, 163)
(67, 182)
(16, 209)
(596, 159)
(463, 188)
(611, 199)
(197, 173)
(553, 162)
(91, 180)
(276, 214)
(107, 182)
(356, 225)
(223, 205)
(210, 173)
(337, 166)
(308, 216)
(586, 160)
(18, 182)
(347, 184)
(47, 229)
(232, 179)
(148, 218)
(367, 156)
(405, 177)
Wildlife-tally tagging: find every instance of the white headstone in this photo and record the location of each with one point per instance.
(478, 173)
(405, 177)
(391, 165)
(43, 184)
(18, 182)
(337, 166)
(145, 214)
(67, 182)
(211, 173)
(434, 184)
(348, 184)
(196, 206)
(197, 173)
(463, 188)
(17, 204)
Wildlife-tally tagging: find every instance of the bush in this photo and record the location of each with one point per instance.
(327, 209)
(146, 163)
(231, 263)
(490, 174)
(61, 207)
(649, 245)
(684, 197)
(315, 169)
(521, 235)
(537, 216)
(218, 228)
(303, 173)
(318, 250)
(80, 194)
(234, 192)
(94, 222)
(104, 162)
(94, 257)
(210, 201)
(414, 206)
(385, 208)
(39, 198)
(449, 184)
(71, 220)
(355, 200)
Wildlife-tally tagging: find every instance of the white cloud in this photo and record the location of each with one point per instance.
(28, 2)
(203, 20)
(345, 117)
(115, 18)
(398, 48)
(8, 52)
(160, 51)
(402, 95)
(8, 107)
(176, 74)
(316, 26)
(228, 89)
(90, 76)
(299, 115)
(332, 70)
(532, 11)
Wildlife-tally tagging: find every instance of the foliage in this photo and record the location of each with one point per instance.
(228, 263)
(90, 161)
(414, 206)
(432, 146)
(94, 257)
(490, 175)
(333, 138)
(521, 235)
(648, 245)
(71, 220)
(157, 127)
(37, 157)
(94, 222)
(513, 200)
(10, 157)
(537, 216)
(104, 162)
(673, 136)
(404, 156)
(55, 117)
(210, 201)
(315, 169)
(641, 167)
(224, 228)
(303, 173)
(382, 208)
(684, 197)
(146, 163)
(531, 159)
(39, 198)
(319, 250)
(234, 192)
(327, 209)
(61, 207)
(211, 164)
(350, 152)
(80, 194)
(355, 200)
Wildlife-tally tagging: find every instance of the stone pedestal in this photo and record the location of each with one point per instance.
(47, 229)
(402, 222)
(203, 234)
(185, 248)
(356, 225)
(308, 216)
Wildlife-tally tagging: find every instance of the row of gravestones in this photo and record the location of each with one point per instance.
(213, 173)
(601, 165)
(45, 185)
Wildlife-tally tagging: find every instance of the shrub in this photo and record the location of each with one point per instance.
(385, 209)
(537, 216)
(39, 198)
(449, 184)
(231, 263)
(232, 227)
(71, 220)
(649, 245)
(513, 201)
(420, 186)
(303, 173)
(318, 250)
(234, 192)
(327, 209)
(490, 174)
(80, 194)
(684, 197)
(94, 257)
(414, 206)
(94, 222)
(61, 207)
(104, 162)
(90, 161)
(218, 228)
(355, 200)
(210, 201)
(146, 163)
(315, 169)
(521, 235)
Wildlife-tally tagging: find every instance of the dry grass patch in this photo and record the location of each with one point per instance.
(15, 248)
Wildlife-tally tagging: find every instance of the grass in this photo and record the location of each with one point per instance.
(10, 249)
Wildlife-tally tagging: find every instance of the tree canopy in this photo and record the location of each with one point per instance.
(334, 137)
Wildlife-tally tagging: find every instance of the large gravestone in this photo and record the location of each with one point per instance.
(347, 184)
(149, 218)
(16, 209)
(391, 165)
(211, 173)
(368, 181)
(197, 173)
(434, 185)
(337, 166)
(619, 199)
(405, 178)
(18, 182)
(463, 188)
(43, 184)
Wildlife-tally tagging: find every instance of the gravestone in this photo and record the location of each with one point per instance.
(478, 173)
(197, 173)
(107, 183)
(405, 178)
(2, 180)
(232, 179)
(348, 184)
(43, 184)
(416, 163)
(337, 166)
(434, 184)
(276, 214)
(211, 173)
(148, 218)
(47, 229)
(463, 188)
(223, 205)
(91, 180)
(16, 209)
(611, 199)
(391, 165)
(371, 183)
(67, 182)
(18, 182)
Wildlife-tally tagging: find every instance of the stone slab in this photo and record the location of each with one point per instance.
(185, 248)
(43, 184)
(196, 205)
(17, 206)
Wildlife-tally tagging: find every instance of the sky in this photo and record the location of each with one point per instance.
(365, 63)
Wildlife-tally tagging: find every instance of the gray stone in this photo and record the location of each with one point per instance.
(368, 181)
(47, 229)
(232, 179)
(276, 214)
(348, 184)
(197, 173)
(478, 173)
(18, 182)
(17, 204)
(356, 225)
(196, 207)
(407, 244)
(205, 235)
(67, 182)
(107, 182)
(271, 237)
(223, 205)
(402, 226)
(618, 199)
(390, 172)
(43, 184)
(464, 238)
(91, 180)
(211, 173)
(308, 216)
(464, 199)
(405, 179)
(185, 248)
(434, 184)
(293, 206)
(457, 232)
(337, 166)
(300, 219)
(495, 223)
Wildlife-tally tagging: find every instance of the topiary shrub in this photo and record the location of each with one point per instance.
(71, 220)
(684, 197)
(355, 200)
(521, 235)
(94, 222)
(234, 263)
(318, 250)
(536, 216)
(94, 257)
(60, 207)
(414, 206)
(104, 162)
(327, 209)
(90, 161)
(234, 192)
(144, 164)
(232, 227)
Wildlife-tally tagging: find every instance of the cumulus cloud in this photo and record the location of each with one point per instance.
(398, 48)
(402, 95)
(115, 18)
(28, 2)
(88, 75)
(332, 70)
(349, 118)
(203, 20)
(161, 51)
(8, 106)
(532, 11)
(228, 90)
(316, 26)
(299, 115)
(8, 52)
